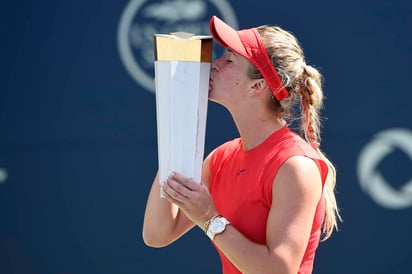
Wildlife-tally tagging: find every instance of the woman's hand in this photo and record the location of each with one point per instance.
(193, 198)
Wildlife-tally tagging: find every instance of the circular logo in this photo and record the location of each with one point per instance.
(141, 19)
(372, 181)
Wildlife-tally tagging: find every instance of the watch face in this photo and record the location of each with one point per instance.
(217, 225)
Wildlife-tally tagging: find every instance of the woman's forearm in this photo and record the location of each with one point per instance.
(250, 257)
(163, 221)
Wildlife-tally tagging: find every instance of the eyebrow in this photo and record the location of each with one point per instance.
(233, 53)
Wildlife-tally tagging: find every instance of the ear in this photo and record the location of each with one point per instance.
(258, 87)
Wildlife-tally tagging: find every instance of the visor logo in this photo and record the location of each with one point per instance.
(143, 18)
(372, 181)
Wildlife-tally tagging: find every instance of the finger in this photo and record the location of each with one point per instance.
(178, 188)
(170, 198)
(189, 183)
(175, 190)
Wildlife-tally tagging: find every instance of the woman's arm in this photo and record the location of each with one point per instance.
(164, 222)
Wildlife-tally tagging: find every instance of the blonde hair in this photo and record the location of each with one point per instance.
(304, 85)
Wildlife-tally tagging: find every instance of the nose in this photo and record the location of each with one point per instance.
(215, 65)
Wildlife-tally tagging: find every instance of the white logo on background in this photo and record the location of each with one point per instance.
(3, 175)
(370, 178)
(142, 18)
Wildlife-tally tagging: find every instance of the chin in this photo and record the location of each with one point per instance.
(211, 95)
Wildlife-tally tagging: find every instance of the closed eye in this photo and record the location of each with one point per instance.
(228, 55)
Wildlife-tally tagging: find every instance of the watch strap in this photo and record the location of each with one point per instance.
(207, 223)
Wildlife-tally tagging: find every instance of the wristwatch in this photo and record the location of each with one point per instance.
(216, 226)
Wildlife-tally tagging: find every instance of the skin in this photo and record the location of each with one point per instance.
(296, 189)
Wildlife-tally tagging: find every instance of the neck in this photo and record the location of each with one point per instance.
(254, 130)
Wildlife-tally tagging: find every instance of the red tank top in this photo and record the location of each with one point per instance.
(241, 186)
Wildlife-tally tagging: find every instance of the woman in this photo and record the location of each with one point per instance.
(266, 198)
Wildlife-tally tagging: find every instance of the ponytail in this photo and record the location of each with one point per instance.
(311, 103)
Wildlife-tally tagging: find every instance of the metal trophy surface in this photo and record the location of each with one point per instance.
(182, 70)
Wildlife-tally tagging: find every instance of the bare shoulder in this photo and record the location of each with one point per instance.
(299, 173)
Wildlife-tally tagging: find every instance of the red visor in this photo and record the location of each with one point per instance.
(248, 44)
